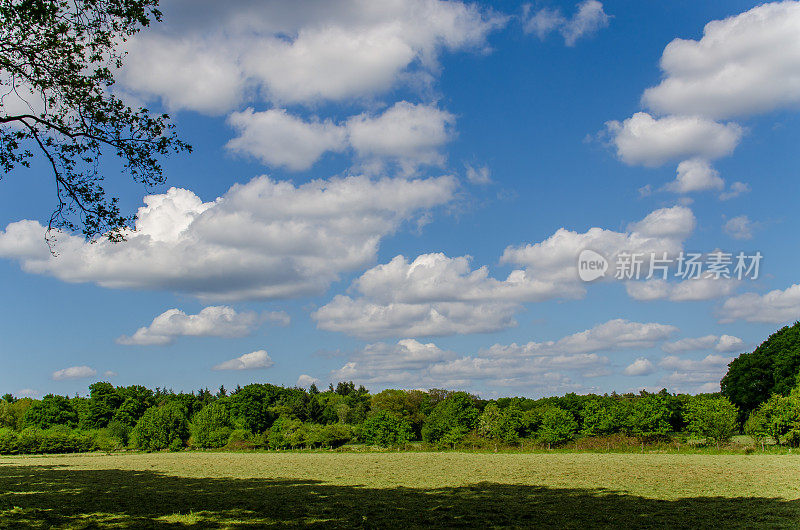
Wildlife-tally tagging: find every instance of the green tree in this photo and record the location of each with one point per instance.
(771, 368)
(712, 417)
(57, 61)
(647, 417)
(160, 428)
(558, 426)
(500, 424)
(601, 416)
(451, 420)
(212, 426)
(385, 429)
(52, 410)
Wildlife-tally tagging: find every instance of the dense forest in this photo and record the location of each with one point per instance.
(760, 397)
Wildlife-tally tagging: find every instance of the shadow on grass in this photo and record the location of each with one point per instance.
(46, 496)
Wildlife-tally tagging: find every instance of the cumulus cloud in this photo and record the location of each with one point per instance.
(212, 321)
(695, 289)
(640, 366)
(479, 175)
(617, 334)
(695, 174)
(740, 227)
(693, 376)
(74, 372)
(412, 364)
(744, 64)
(438, 295)
(248, 361)
(305, 381)
(718, 343)
(775, 307)
(211, 56)
(406, 133)
(735, 189)
(587, 20)
(260, 240)
(651, 141)
(545, 367)
(280, 139)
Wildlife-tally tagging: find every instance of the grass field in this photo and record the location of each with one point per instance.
(365, 490)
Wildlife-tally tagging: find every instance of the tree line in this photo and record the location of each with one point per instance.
(760, 397)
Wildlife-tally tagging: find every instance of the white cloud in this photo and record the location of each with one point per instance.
(211, 57)
(365, 319)
(646, 140)
(613, 335)
(691, 290)
(305, 381)
(778, 306)
(280, 139)
(264, 239)
(640, 366)
(406, 133)
(479, 175)
(74, 372)
(547, 367)
(248, 361)
(722, 344)
(28, 392)
(438, 295)
(589, 19)
(109, 374)
(736, 189)
(744, 64)
(554, 259)
(740, 227)
(212, 321)
(695, 174)
(411, 364)
(693, 376)
(277, 318)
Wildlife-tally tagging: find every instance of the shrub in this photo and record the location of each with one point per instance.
(385, 429)
(240, 439)
(162, 428)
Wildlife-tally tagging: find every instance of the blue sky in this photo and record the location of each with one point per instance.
(397, 193)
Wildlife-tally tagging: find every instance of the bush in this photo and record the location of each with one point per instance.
(558, 426)
(385, 429)
(162, 428)
(240, 439)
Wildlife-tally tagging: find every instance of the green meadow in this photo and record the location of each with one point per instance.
(400, 490)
